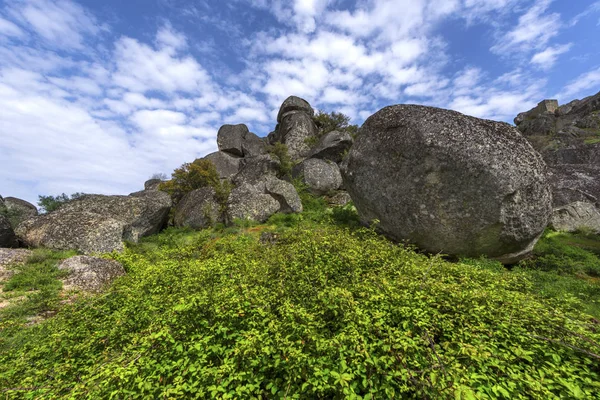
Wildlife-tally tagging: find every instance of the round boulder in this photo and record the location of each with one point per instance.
(294, 103)
(320, 176)
(199, 209)
(449, 183)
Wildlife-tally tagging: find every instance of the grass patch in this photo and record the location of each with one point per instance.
(37, 284)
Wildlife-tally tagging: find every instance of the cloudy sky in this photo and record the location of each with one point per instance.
(96, 96)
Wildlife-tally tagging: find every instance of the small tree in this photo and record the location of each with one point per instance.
(160, 176)
(195, 175)
(280, 151)
(334, 121)
(52, 203)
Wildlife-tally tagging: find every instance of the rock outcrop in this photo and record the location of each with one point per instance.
(152, 184)
(9, 258)
(295, 127)
(97, 223)
(576, 216)
(248, 202)
(449, 183)
(568, 137)
(90, 274)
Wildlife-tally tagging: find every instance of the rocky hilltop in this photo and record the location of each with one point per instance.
(568, 137)
(443, 181)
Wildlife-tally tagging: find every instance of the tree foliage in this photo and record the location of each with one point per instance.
(280, 152)
(195, 175)
(52, 203)
(334, 121)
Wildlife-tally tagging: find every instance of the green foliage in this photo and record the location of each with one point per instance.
(52, 203)
(566, 253)
(195, 175)
(322, 311)
(13, 215)
(334, 121)
(280, 152)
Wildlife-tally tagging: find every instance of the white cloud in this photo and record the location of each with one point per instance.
(584, 85)
(61, 23)
(7, 28)
(535, 28)
(547, 58)
(171, 39)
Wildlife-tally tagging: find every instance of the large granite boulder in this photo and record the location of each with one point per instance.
(198, 209)
(7, 234)
(18, 210)
(9, 258)
(575, 216)
(90, 274)
(246, 202)
(296, 131)
(97, 223)
(255, 170)
(449, 183)
(238, 141)
(332, 146)
(320, 176)
(225, 164)
(86, 232)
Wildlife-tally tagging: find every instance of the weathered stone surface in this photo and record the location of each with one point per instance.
(83, 231)
(320, 176)
(253, 146)
(146, 213)
(97, 223)
(152, 184)
(19, 210)
(295, 130)
(575, 182)
(574, 216)
(449, 183)
(285, 193)
(230, 139)
(339, 199)
(247, 202)
(255, 170)
(198, 209)
(332, 146)
(9, 258)
(292, 104)
(7, 234)
(90, 274)
(226, 165)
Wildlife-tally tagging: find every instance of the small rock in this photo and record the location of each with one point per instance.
(90, 274)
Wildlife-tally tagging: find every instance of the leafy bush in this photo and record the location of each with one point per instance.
(321, 312)
(52, 203)
(280, 152)
(334, 121)
(159, 175)
(195, 175)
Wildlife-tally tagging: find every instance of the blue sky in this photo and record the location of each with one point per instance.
(96, 96)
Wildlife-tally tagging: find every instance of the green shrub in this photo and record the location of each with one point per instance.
(322, 312)
(191, 176)
(280, 152)
(334, 121)
(52, 203)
